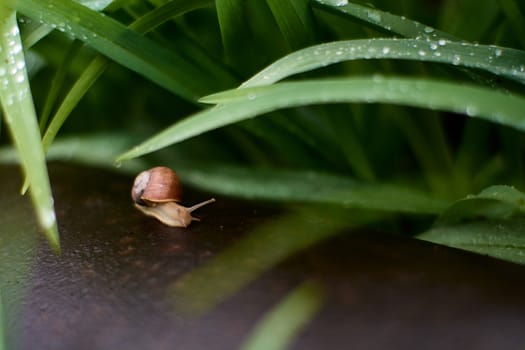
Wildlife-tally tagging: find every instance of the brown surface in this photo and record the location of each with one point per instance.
(108, 289)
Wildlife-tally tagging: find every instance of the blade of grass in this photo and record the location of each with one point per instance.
(165, 67)
(391, 24)
(495, 202)
(99, 64)
(57, 83)
(21, 120)
(504, 62)
(517, 19)
(382, 20)
(234, 30)
(308, 186)
(241, 104)
(490, 222)
(282, 324)
(502, 239)
(295, 20)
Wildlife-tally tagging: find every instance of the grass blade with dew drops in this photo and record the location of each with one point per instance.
(281, 325)
(99, 64)
(491, 222)
(21, 120)
(503, 62)
(159, 64)
(499, 238)
(242, 104)
(390, 23)
(382, 20)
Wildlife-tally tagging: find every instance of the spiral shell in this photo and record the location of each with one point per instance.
(156, 185)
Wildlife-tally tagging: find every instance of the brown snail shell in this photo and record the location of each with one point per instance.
(156, 185)
(156, 192)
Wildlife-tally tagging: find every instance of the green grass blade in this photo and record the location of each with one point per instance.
(57, 83)
(517, 19)
(294, 18)
(502, 239)
(34, 34)
(382, 20)
(166, 12)
(242, 104)
(283, 323)
(303, 186)
(504, 62)
(234, 29)
(495, 202)
(21, 120)
(490, 222)
(127, 47)
(99, 64)
(77, 91)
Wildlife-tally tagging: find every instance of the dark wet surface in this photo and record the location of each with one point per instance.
(110, 287)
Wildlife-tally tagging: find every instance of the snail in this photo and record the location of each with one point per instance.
(157, 191)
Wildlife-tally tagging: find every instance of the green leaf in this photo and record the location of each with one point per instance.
(382, 20)
(99, 150)
(294, 18)
(504, 62)
(515, 16)
(282, 324)
(495, 202)
(234, 29)
(307, 186)
(21, 120)
(99, 64)
(165, 67)
(502, 239)
(241, 104)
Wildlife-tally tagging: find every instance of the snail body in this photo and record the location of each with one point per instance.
(157, 191)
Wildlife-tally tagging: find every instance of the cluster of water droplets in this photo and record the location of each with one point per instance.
(12, 69)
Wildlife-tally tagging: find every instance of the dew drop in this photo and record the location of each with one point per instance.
(442, 42)
(17, 49)
(386, 50)
(428, 30)
(19, 78)
(433, 46)
(48, 218)
(471, 110)
(251, 97)
(456, 59)
(374, 16)
(498, 52)
(422, 53)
